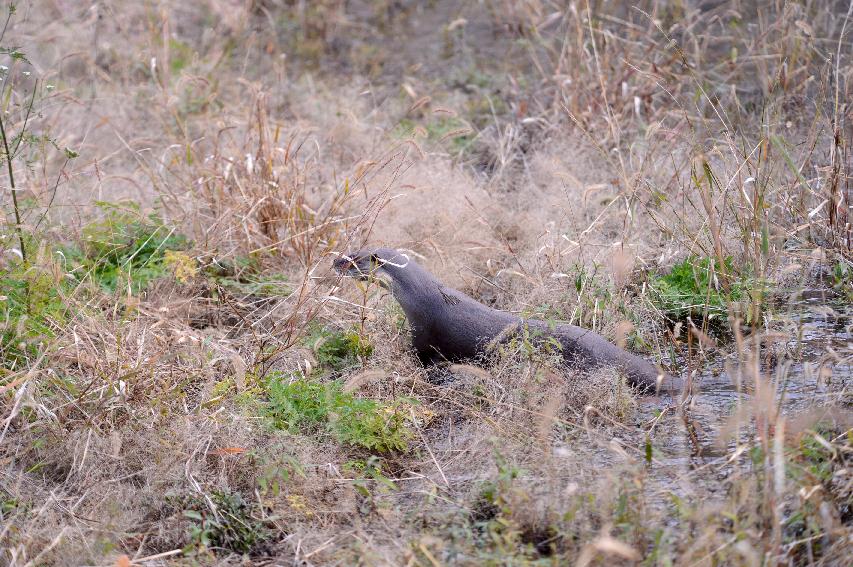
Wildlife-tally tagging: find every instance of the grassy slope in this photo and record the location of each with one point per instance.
(197, 384)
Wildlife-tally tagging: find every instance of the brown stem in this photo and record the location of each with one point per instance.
(14, 193)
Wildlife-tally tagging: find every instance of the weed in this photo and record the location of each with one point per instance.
(497, 524)
(296, 404)
(32, 308)
(815, 459)
(277, 471)
(816, 456)
(374, 426)
(263, 285)
(232, 526)
(842, 280)
(535, 345)
(369, 474)
(692, 290)
(452, 133)
(245, 276)
(180, 55)
(125, 248)
(656, 130)
(25, 144)
(182, 265)
(592, 296)
(8, 505)
(339, 350)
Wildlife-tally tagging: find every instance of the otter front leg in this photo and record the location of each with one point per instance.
(427, 349)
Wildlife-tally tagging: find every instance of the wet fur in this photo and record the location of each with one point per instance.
(448, 325)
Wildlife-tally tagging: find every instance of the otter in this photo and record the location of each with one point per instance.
(448, 325)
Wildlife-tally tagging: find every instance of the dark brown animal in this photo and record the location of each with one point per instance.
(448, 325)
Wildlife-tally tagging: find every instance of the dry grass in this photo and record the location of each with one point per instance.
(537, 158)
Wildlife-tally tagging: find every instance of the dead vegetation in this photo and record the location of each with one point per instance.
(183, 380)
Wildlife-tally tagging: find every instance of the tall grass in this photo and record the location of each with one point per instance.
(673, 176)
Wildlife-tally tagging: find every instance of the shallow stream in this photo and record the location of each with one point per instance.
(806, 358)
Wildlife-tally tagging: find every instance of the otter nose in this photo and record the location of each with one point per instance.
(343, 264)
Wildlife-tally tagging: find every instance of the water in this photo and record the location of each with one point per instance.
(806, 356)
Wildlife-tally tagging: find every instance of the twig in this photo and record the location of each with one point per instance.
(429, 450)
(18, 230)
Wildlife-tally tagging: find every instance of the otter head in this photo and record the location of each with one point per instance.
(372, 264)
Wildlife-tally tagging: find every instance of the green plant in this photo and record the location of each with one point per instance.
(452, 133)
(842, 279)
(369, 473)
(31, 306)
(244, 276)
(691, 289)
(535, 345)
(297, 404)
(277, 470)
(8, 505)
(339, 350)
(232, 526)
(372, 425)
(592, 296)
(259, 285)
(816, 458)
(125, 247)
(492, 499)
(500, 528)
(31, 289)
(25, 145)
